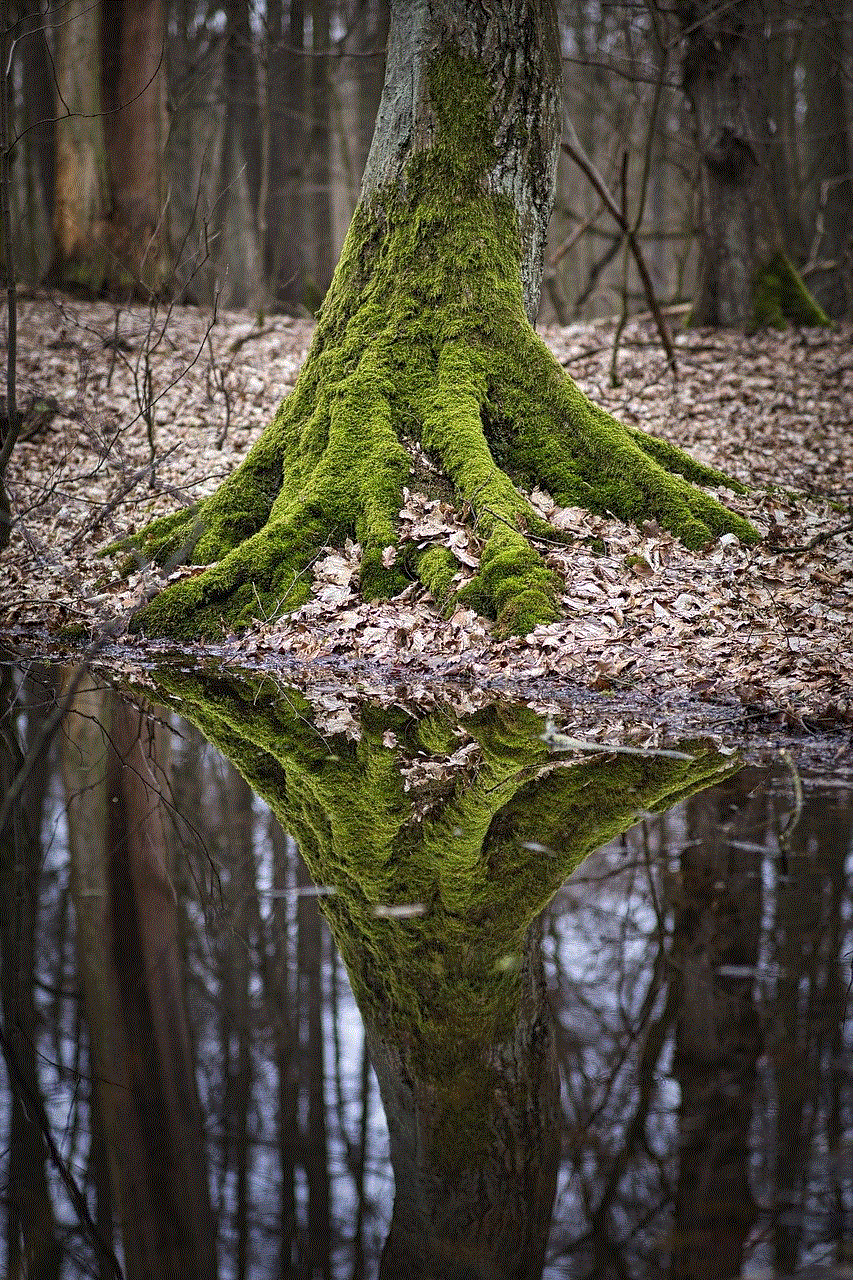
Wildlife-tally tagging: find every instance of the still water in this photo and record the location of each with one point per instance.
(335, 991)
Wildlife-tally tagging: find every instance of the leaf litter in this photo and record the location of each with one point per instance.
(764, 631)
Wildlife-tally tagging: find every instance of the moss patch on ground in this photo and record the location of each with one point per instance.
(423, 337)
(781, 297)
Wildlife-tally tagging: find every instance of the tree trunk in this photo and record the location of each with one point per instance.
(746, 278)
(717, 928)
(425, 339)
(475, 1160)
(829, 151)
(320, 157)
(82, 192)
(32, 1240)
(132, 41)
(38, 150)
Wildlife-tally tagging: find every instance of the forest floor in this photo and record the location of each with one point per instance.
(766, 631)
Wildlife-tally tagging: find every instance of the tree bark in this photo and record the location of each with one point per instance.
(132, 41)
(746, 278)
(827, 52)
(82, 192)
(516, 48)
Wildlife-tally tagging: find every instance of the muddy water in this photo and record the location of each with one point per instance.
(292, 990)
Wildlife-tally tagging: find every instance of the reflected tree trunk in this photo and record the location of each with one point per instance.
(316, 1148)
(715, 949)
(32, 1245)
(130, 964)
(240, 860)
(475, 1156)
(433, 916)
(807, 1013)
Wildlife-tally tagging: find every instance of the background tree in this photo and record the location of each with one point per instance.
(110, 127)
(746, 277)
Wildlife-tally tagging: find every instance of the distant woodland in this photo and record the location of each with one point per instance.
(214, 152)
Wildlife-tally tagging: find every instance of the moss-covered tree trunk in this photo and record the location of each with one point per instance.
(425, 370)
(746, 277)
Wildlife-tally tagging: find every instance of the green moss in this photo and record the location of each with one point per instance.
(781, 297)
(445, 985)
(422, 337)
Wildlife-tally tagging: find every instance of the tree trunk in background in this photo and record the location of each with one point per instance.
(784, 48)
(829, 154)
(286, 79)
(130, 964)
(82, 195)
(35, 224)
(33, 1249)
(745, 278)
(322, 248)
(134, 82)
(239, 254)
(109, 150)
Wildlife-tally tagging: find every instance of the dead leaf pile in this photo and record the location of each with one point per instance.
(766, 628)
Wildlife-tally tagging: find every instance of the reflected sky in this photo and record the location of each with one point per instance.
(425, 997)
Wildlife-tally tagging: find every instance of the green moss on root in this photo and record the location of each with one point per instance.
(423, 336)
(781, 297)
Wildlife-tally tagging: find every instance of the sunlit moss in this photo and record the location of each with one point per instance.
(423, 336)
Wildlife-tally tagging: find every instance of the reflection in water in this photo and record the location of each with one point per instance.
(697, 996)
(432, 916)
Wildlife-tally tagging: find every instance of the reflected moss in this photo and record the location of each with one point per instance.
(443, 988)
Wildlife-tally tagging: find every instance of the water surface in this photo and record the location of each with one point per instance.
(301, 990)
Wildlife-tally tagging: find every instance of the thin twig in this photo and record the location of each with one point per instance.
(572, 147)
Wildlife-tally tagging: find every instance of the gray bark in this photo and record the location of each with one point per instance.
(829, 137)
(517, 44)
(724, 75)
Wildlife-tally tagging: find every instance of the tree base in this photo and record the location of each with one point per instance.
(423, 342)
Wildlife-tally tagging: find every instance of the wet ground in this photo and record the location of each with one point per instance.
(358, 980)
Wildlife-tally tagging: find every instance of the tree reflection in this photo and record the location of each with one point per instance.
(433, 913)
(178, 1027)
